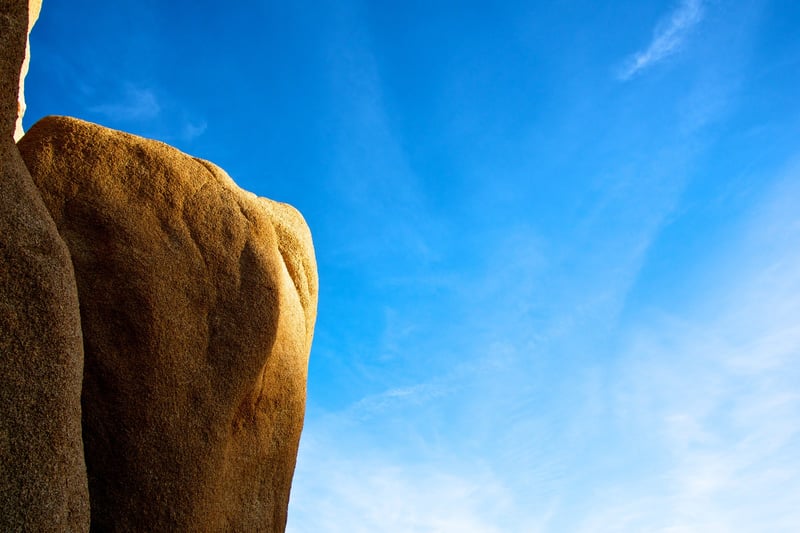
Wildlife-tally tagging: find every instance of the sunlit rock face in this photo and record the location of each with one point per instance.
(198, 303)
(34, 8)
(43, 484)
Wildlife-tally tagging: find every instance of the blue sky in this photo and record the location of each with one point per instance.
(558, 242)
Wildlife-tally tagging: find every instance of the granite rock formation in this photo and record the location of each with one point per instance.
(34, 8)
(43, 485)
(197, 304)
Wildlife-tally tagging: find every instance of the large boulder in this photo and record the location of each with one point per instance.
(43, 484)
(198, 303)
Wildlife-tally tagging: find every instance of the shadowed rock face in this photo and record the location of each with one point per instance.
(42, 473)
(198, 303)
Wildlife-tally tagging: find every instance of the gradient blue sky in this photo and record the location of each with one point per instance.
(558, 242)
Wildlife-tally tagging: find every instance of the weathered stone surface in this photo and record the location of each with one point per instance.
(13, 40)
(34, 8)
(198, 303)
(43, 484)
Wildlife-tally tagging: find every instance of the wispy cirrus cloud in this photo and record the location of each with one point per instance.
(366, 494)
(133, 104)
(713, 395)
(146, 110)
(400, 397)
(192, 130)
(690, 425)
(668, 37)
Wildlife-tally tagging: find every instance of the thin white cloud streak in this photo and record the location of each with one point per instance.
(370, 172)
(394, 399)
(135, 104)
(668, 37)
